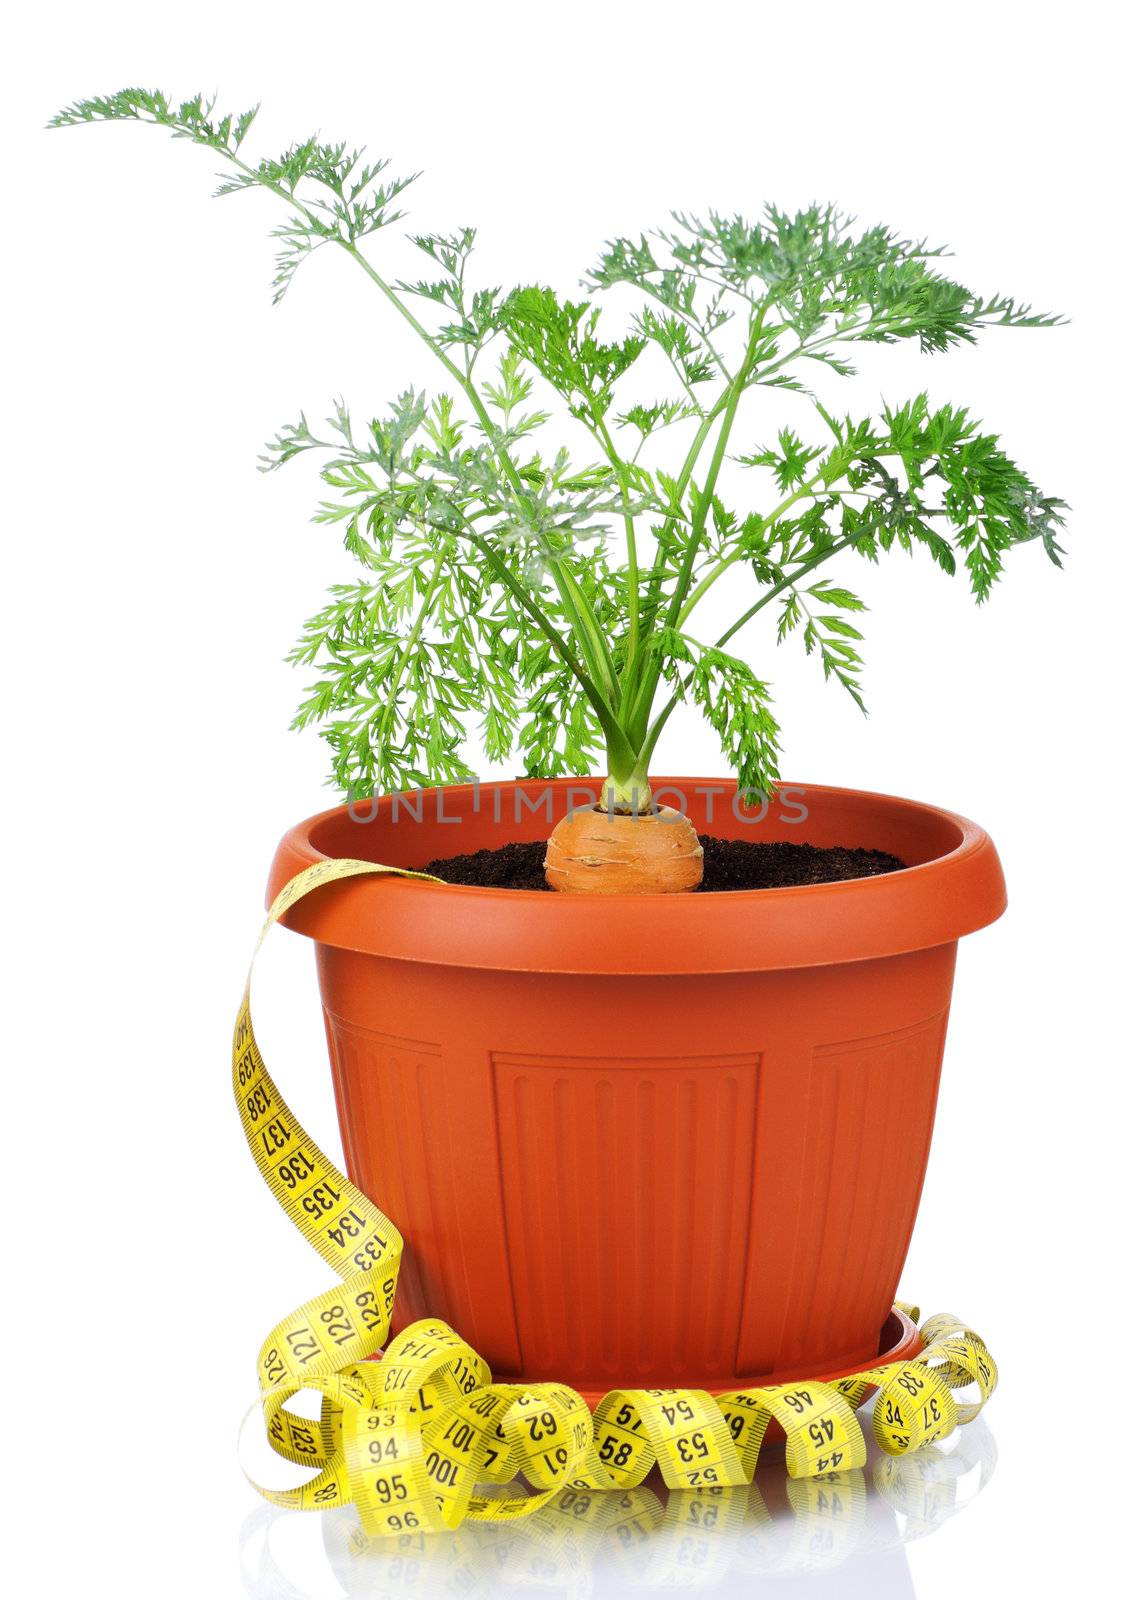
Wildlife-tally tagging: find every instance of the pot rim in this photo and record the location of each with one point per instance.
(930, 902)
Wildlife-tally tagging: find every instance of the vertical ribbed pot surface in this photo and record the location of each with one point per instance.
(652, 1140)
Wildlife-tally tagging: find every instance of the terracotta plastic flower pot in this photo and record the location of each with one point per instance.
(652, 1139)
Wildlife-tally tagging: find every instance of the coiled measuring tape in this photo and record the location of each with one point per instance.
(420, 1438)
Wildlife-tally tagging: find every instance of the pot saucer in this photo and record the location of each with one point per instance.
(899, 1341)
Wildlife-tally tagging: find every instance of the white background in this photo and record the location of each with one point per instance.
(159, 580)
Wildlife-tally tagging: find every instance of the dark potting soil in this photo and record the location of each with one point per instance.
(729, 864)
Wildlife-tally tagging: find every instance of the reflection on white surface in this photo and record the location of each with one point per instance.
(842, 1534)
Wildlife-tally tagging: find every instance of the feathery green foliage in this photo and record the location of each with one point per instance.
(540, 596)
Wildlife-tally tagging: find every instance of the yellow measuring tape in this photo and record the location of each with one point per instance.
(421, 1438)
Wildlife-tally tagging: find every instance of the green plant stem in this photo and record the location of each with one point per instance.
(690, 462)
(721, 567)
(802, 572)
(701, 435)
(727, 405)
(657, 727)
(633, 582)
(585, 624)
(611, 727)
(705, 500)
(521, 593)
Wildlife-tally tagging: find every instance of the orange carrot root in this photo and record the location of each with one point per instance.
(591, 852)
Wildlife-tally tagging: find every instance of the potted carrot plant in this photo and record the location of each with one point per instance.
(648, 1080)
